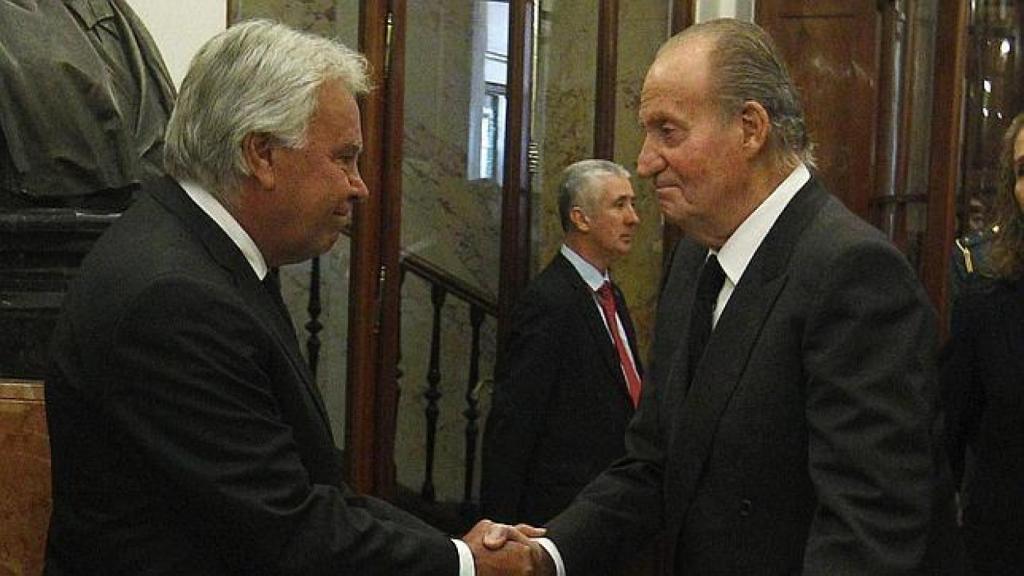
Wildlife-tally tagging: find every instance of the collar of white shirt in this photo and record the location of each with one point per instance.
(739, 249)
(591, 275)
(216, 211)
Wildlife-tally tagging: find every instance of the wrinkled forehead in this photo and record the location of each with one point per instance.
(678, 71)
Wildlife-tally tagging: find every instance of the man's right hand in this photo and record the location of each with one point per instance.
(500, 549)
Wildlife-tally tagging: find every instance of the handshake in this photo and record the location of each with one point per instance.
(502, 549)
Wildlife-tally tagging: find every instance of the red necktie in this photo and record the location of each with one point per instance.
(607, 301)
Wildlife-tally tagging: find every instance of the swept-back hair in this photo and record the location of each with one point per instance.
(579, 186)
(746, 66)
(255, 77)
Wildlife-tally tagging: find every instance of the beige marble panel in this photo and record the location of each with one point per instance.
(642, 29)
(563, 121)
(332, 18)
(449, 216)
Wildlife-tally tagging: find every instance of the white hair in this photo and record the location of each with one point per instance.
(255, 77)
(579, 188)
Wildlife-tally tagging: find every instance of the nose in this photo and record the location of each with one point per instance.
(649, 162)
(355, 179)
(632, 218)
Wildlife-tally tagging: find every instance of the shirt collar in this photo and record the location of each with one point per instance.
(739, 249)
(591, 275)
(216, 211)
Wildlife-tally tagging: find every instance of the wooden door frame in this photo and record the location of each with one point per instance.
(946, 151)
(366, 420)
(515, 192)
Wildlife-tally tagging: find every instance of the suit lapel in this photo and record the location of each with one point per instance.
(729, 349)
(587, 309)
(224, 251)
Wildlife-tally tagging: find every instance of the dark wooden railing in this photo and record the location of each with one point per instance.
(481, 305)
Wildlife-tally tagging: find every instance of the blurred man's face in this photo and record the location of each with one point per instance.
(693, 152)
(610, 219)
(1018, 168)
(316, 185)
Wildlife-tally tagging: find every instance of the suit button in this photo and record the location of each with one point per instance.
(745, 507)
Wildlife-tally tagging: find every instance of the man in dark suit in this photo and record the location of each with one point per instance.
(563, 392)
(187, 434)
(788, 424)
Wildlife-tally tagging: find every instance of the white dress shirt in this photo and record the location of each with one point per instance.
(739, 249)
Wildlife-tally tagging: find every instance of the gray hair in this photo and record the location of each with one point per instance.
(746, 66)
(578, 187)
(255, 77)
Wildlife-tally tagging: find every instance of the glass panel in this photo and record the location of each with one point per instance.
(336, 19)
(993, 97)
(452, 169)
(922, 66)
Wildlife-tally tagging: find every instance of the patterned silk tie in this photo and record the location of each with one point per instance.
(708, 286)
(607, 301)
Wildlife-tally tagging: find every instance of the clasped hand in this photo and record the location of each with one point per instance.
(500, 549)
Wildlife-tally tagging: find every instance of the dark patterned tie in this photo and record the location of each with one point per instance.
(708, 286)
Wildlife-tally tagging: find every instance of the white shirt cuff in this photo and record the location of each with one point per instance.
(552, 551)
(466, 566)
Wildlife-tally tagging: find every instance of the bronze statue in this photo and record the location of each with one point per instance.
(84, 98)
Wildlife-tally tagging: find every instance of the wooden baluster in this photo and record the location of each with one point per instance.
(472, 414)
(314, 326)
(433, 393)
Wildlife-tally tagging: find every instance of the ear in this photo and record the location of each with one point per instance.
(257, 149)
(579, 219)
(756, 126)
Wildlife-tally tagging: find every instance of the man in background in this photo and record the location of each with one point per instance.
(568, 380)
(187, 434)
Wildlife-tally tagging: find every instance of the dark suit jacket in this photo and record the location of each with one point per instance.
(983, 383)
(807, 442)
(560, 406)
(187, 435)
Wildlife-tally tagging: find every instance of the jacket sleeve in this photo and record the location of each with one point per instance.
(192, 387)
(870, 404)
(525, 378)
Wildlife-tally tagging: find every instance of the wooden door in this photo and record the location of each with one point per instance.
(832, 48)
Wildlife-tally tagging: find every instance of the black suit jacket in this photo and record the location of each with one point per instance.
(560, 406)
(807, 442)
(187, 435)
(983, 382)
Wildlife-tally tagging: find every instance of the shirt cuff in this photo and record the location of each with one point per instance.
(552, 551)
(466, 566)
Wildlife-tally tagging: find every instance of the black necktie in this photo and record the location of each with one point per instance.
(272, 283)
(708, 286)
